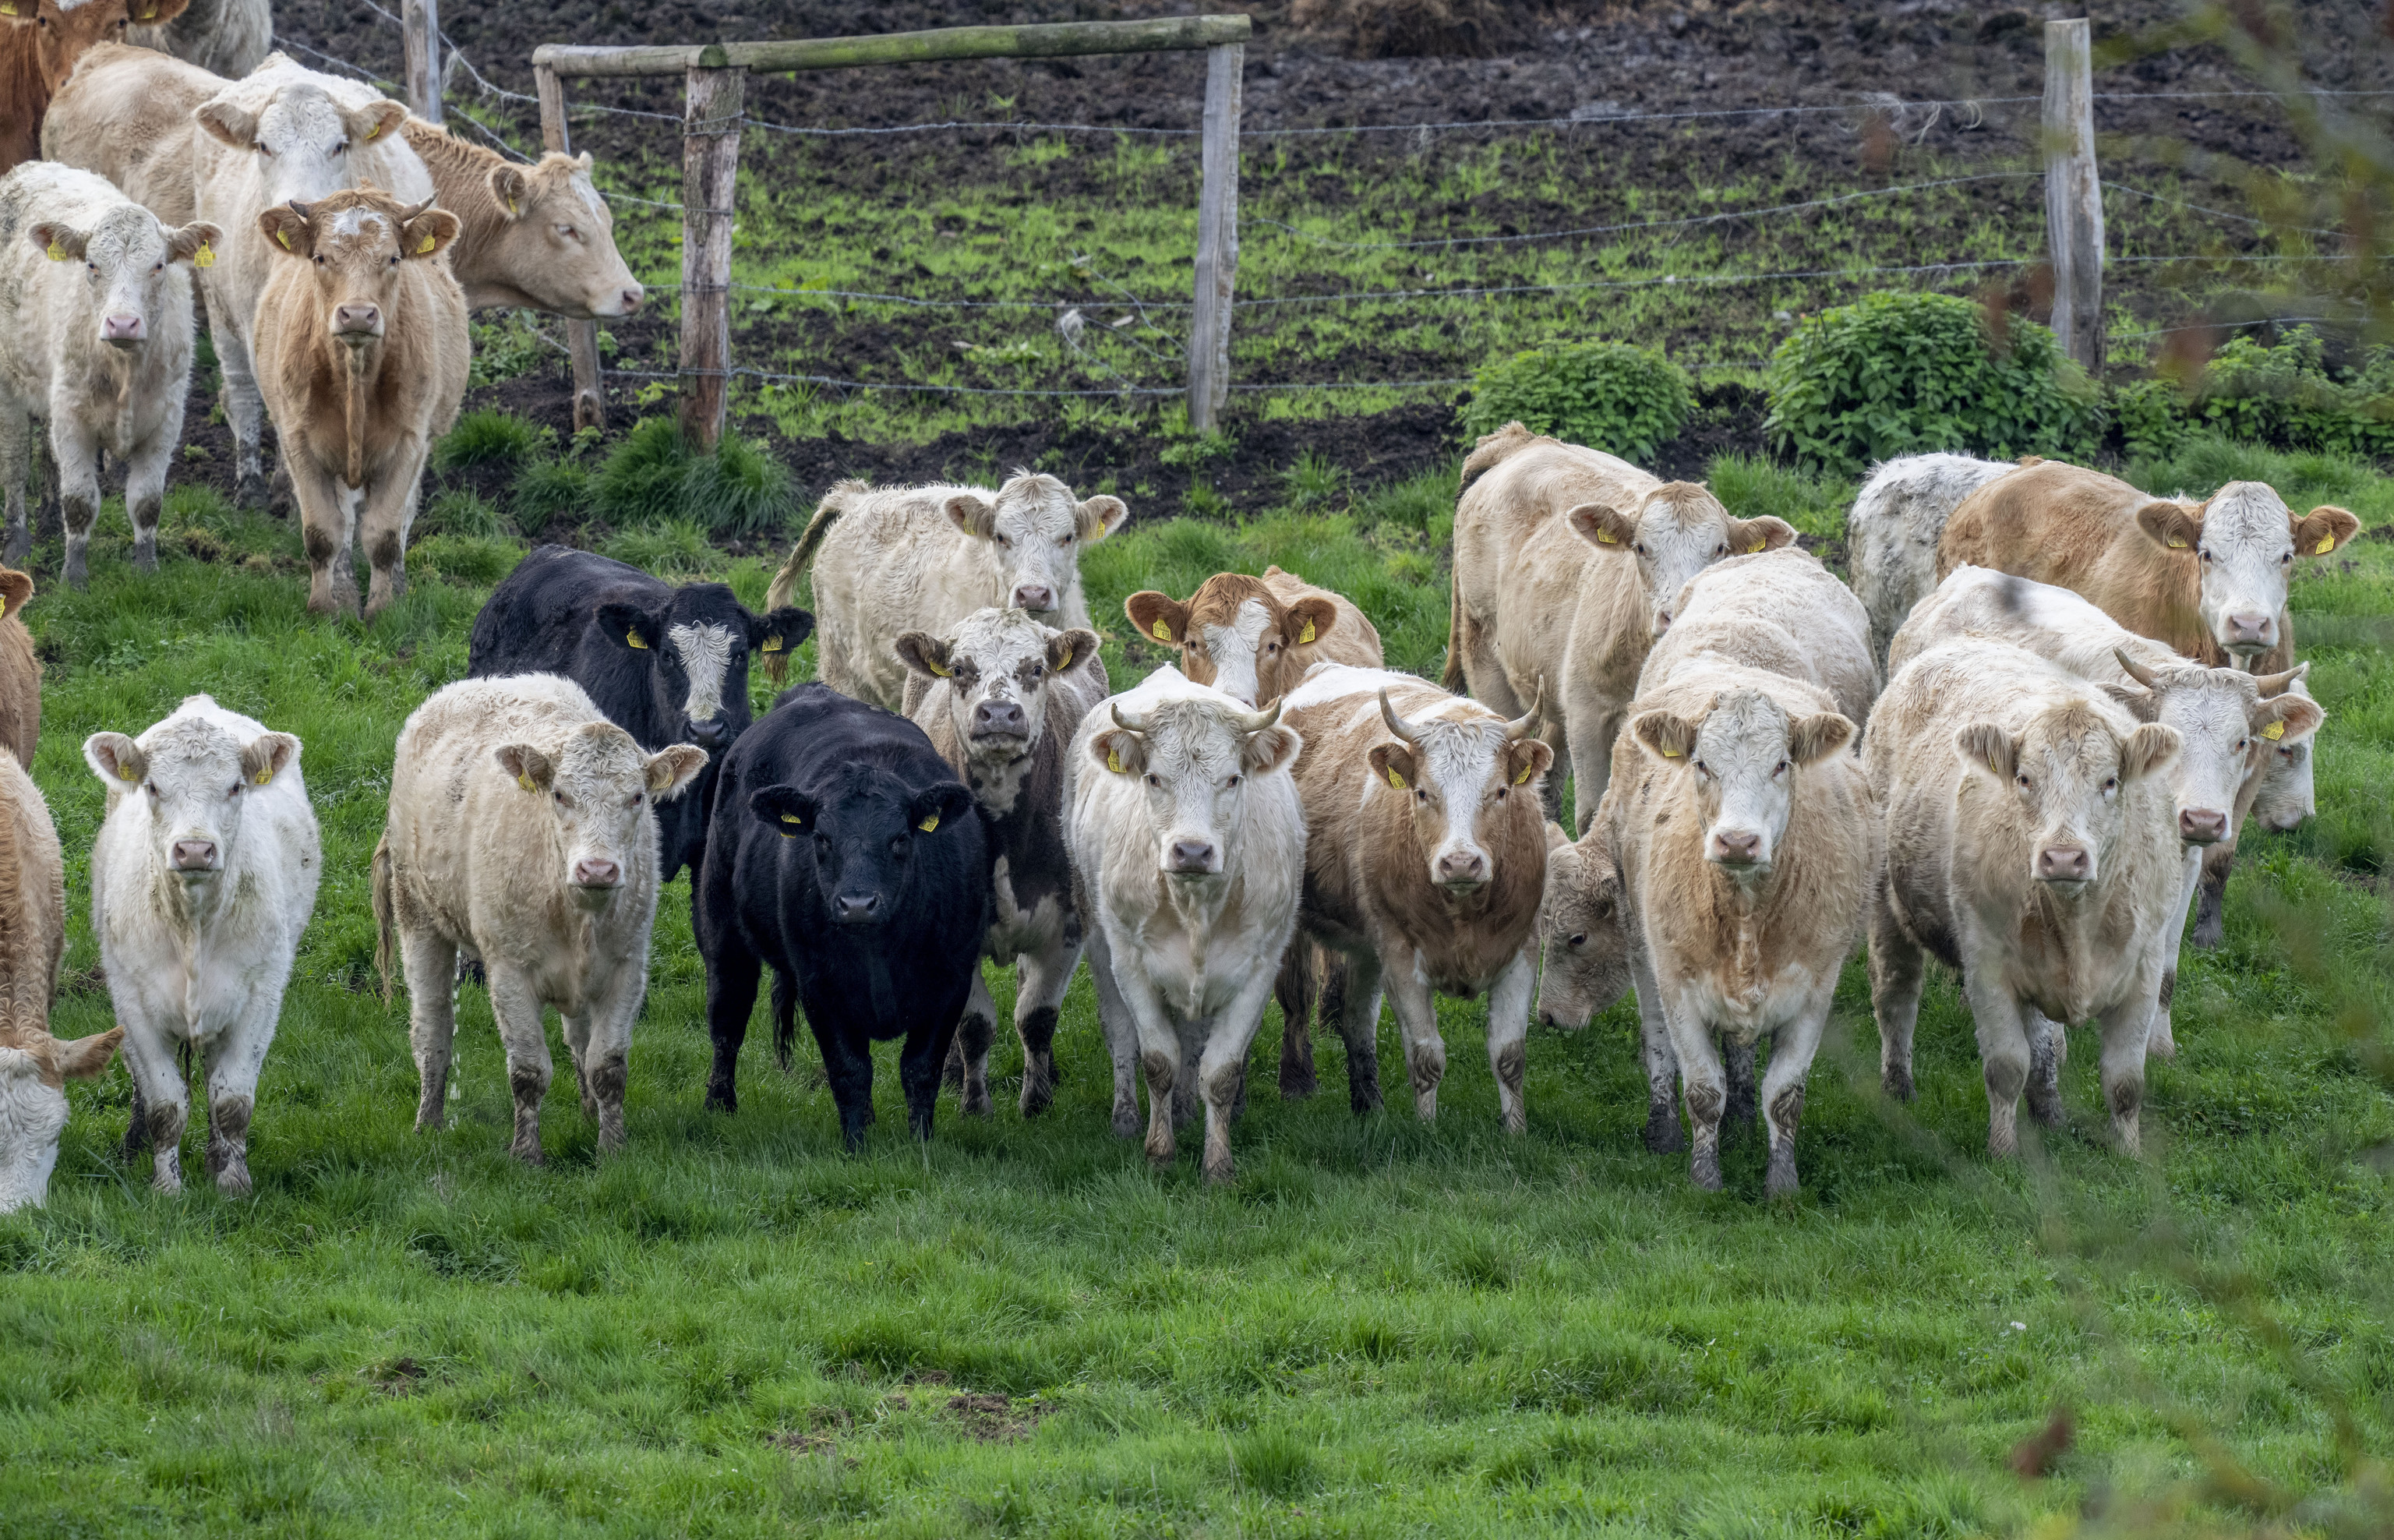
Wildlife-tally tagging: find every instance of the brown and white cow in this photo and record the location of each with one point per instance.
(2032, 845)
(40, 42)
(362, 346)
(20, 670)
(1566, 563)
(1254, 637)
(1426, 858)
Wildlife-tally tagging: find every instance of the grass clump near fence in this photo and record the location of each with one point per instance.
(1624, 401)
(654, 476)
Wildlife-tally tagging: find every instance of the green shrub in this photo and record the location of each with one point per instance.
(549, 489)
(1903, 374)
(639, 483)
(2284, 395)
(654, 476)
(489, 437)
(1609, 396)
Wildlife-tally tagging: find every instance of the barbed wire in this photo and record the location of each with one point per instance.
(2217, 213)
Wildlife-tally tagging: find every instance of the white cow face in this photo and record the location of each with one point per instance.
(34, 1070)
(997, 668)
(2246, 542)
(1037, 531)
(2066, 771)
(1584, 931)
(2284, 798)
(300, 140)
(125, 257)
(596, 789)
(2220, 716)
(693, 651)
(1463, 781)
(1744, 755)
(194, 778)
(1195, 759)
(1678, 531)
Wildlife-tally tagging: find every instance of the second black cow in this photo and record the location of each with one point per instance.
(666, 664)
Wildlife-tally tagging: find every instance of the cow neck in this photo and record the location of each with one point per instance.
(2072, 947)
(194, 911)
(363, 367)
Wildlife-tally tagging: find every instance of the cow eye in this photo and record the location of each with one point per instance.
(1638, 546)
(1038, 672)
(1065, 541)
(2022, 782)
(2243, 744)
(1780, 768)
(2111, 783)
(1702, 769)
(1500, 793)
(560, 797)
(1420, 795)
(2204, 551)
(1271, 647)
(1232, 782)
(1155, 781)
(1005, 541)
(320, 262)
(1579, 939)
(632, 800)
(1720, 551)
(233, 791)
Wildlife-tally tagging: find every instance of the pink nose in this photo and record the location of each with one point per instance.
(2202, 825)
(1192, 856)
(2259, 630)
(631, 299)
(195, 855)
(1463, 868)
(1035, 597)
(1736, 848)
(120, 328)
(2063, 863)
(357, 317)
(592, 872)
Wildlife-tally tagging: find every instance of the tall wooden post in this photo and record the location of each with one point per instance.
(710, 154)
(581, 337)
(2074, 193)
(420, 25)
(1217, 239)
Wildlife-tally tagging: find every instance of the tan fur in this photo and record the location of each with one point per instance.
(33, 918)
(1348, 637)
(127, 114)
(40, 45)
(507, 257)
(20, 671)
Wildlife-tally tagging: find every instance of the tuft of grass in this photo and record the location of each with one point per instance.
(1423, 505)
(546, 490)
(677, 545)
(463, 511)
(1273, 1462)
(1750, 486)
(740, 490)
(489, 437)
(1314, 478)
(465, 559)
(641, 480)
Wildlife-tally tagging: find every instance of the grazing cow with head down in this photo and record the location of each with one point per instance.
(1425, 865)
(1254, 637)
(1893, 529)
(1000, 701)
(848, 858)
(922, 558)
(35, 1066)
(362, 334)
(203, 877)
(20, 671)
(2032, 845)
(1566, 564)
(520, 831)
(40, 42)
(667, 664)
(96, 340)
(1189, 837)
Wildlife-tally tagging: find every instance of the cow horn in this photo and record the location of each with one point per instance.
(1396, 724)
(2135, 670)
(1255, 721)
(2274, 684)
(1129, 722)
(1522, 727)
(302, 209)
(407, 214)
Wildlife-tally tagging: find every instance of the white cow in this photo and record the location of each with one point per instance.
(1184, 825)
(95, 339)
(1892, 533)
(922, 558)
(520, 831)
(203, 877)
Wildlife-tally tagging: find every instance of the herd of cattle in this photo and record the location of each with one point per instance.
(2018, 747)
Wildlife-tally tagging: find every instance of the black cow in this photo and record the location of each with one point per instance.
(666, 664)
(850, 861)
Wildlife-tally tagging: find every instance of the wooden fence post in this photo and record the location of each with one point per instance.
(581, 337)
(2074, 193)
(1217, 239)
(710, 156)
(419, 22)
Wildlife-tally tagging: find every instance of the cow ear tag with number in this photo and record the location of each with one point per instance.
(2326, 544)
(56, 252)
(1305, 636)
(525, 782)
(1395, 780)
(791, 818)
(1113, 761)
(428, 244)
(264, 776)
(632, 639)
(772, 644)
(205, 256)
(943, 670)
(1067, 663)
(1522, 779)
(1163, 632)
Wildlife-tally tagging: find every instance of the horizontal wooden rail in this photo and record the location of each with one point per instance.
(1057, 40)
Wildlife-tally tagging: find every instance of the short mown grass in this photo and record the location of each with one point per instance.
(1382, 1328)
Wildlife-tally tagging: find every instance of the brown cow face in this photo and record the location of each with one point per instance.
(2066, 772)
(1470, 787)
(63, 34)
(1584, 932)
(1236, 635)
(2246, 542)
(558, 241)
(1744, 755)
(1678, 531)
(357, 241)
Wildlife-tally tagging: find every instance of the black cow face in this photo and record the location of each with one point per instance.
(864, 826)
(696, 651)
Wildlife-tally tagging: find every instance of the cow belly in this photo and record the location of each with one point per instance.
(1015, 931)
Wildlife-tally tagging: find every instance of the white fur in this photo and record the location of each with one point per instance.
(1892, 533)
(706, 652)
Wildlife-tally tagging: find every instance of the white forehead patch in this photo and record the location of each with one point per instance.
(1235, 649)
(997, 641)
(359, 220)
(584, 190)
(706, 653)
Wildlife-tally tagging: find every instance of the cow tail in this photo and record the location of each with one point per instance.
(385, 921)
(785, 581)
(1492, 449)
(1453, 679)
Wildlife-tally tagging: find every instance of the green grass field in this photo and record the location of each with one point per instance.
(1381, 1328)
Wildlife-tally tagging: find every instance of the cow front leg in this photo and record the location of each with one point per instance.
(231, 1068)
(389, 509)
(2003, 1053)
(1707, 1092)
(918, 1070)
(1222, 1069)
(1662, 1061)
(518, 1009)
(732, 974)
(160, 1098)
(603, 1053)
(1508, 1036)
(16, 466)
(429, 964)
(1159, 1051)
(848, 1064)
(1738, 1060)
(76, 450)
(1897, 968)
(1417, 1010)
(969, 1055)
(2125, 1028)
(1039, 985)
(326, 524)
(1793, 1048)
(1121, 1032)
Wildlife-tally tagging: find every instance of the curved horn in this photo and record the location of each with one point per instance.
(407, 214)
(2135, 670)
(2274, 684)
(1255, 721)
(302, 209)
(1130, 721)
(1396, 724)
(1522, 727)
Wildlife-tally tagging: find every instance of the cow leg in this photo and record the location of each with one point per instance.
(160, 1100)
(2002, 1052)
(16, 465)
(145, 495)
(1039, 985)
(1122, 1034)
(1359, 1029)
(232, 1066)
(2047, 1047)
(603, 1058)
(429, 962)
(1737, 1067)
(1793, 1048)
(77, 453)
(529, 1068)
(918, 1072)
(2125, 1028)
(1159, 1049)
(1222, 1069)
(969, 1051)
(245, 410)
(1707, 1091)
(325, 530)
(848, 1066)
(785, 1018)
(1295, 987)
(390, 509)
(1897, 966)
(2211, 918)
(1417, 1010)
(1591, 752)
(1664, 1136)
(731, 973)
(1508, 1036)
(2164, 1042)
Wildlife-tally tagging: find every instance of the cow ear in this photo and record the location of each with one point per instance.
(784, 809)
(376, 120)
(2322, 529)
(780, 631)
(1099, 516)
(527, 765)
(266, 756)
(2143, 704)
(1988, 748)
(1158, 617)
(583, 163)
(1526, 759)
(1556, 840)
(15, 587)
(116, 759)
(934, 805)
(1267, 749)
(1814, 738)
(973, 512)
(2287, 717)
(60, 242)
(2171, 525)
(1120, 750)
(86, 1058)
(236, 126)
(1604, 526)
(426, 234)
(1753, 536)
(194, 243)
(288, 229)
(2150, 748)
(628, 625)
(1067, 648)
(672, 769)
(925, 654)
(154, 13)
(1392, 766)
(1308, 620)
(1666, 735)
(19, 13)
(511, 187)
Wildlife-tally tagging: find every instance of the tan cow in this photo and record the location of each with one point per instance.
(20, 670)
(1254, 637)
(1425, 862)
(35, 1066)
(361, 338)
(40, 42)
(1566, 562)
(537, 236)
(2207, 580)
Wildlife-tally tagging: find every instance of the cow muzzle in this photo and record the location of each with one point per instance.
(856, 909)
(1192, 856)
(2202, 825)
(122, 330)
(1740, 850)
(711, 734)
(996, 719)
(1037, 597)
(2250, 631)
(597, 873)
(194, 856)
(2065, 863)
(1460, 871)
(357, 323)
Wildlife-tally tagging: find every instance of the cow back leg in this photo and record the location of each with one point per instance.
(969, 1051)
(1664, 1136)
(1359, 1030)
(1122, 1035)
(786, 1019)
(77, 453)
(2197, 875)
(2211, 913)
(575, 1029)
(429, 964)
(16, 467)
(245, 410)
(1897, 966)
(161, 1099)
(1508, 1036)
(1295, 987)
(1221, 1069)
(1738, 1059)
(388, 509)
(732, 974)
(1039, 987)
(602, 1045)
(520, 1029)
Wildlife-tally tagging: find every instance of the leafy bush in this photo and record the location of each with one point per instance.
(1609, 396)
(2284, 395)
(655, 476)
(1903, 374)
(489, 437)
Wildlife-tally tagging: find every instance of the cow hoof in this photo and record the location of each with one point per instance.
(168, 1181)
(431, 1121)
(1897, 1084)
(1705, 1172)
(233, 1180)
(249, 490)
(529, 1151)
(721, 1097)
(1297, 1087)
(2209, 931)
(145, 556)
(1220, 1173)
(1364, 1101)
(1517, 1121)
(1038, 1095)
(1780, 1182)
(1426, 1105)
(1127, 1121)
(2161, 1043)
(975, 1103)
(76, 572)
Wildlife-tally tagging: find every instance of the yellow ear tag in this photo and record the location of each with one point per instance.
(2274, 731)
(2324, 546)
(375, 129)
(772, 644)
(284, 236)
(936, 666)
(1395, 780)
(1604, 537)
(1994, 770)
(512, 209)
(1522, 779)
(930, 823)
(1067, 663)
(1163, 632)
(1305, 636)
(263, 777)
(1670, 754)
(525, 782)
(123, 771)
(632, 639)
(1755, 549)
(428, 244)
(1114, 762)
(205, 256)
(56, 252)
(7, 9)
(791, 818)
(2178, 542)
